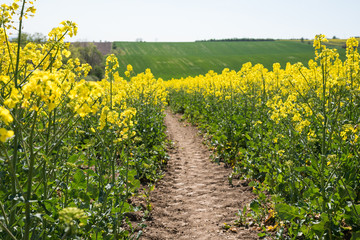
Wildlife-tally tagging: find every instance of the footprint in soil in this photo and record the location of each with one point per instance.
(195, 200)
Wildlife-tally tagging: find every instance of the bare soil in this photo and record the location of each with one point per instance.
(194, 199)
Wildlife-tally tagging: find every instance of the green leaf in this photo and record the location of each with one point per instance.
(300, 169)
(48, 218)
(255, 206)
(284, 211)
(136, 183)
(307, 169)
(319, 228)
(355, 235)
(126, 207)
(90, 172)
(305, 229)
(73, 158)
(79, 178)
(85, 197)
(357, 207)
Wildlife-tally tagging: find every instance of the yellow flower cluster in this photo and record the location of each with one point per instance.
(6, 118)
(148, 89)
(58, 33)
(40, 80)
(350, 131)
(112, 66)
(84, 97)
(9, 11)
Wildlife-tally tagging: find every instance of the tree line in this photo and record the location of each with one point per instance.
(88, 53)
(237, 40)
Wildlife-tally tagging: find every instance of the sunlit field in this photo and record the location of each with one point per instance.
(177, 60)
(283, 115)
(292, 131)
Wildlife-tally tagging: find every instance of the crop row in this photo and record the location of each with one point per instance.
(293, 131)
(72, 152)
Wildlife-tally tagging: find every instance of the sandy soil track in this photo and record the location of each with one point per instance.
(194, 199)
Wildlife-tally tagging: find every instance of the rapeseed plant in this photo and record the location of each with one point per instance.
(314, 108)
(68, 151)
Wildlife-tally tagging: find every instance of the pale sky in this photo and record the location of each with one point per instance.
(190, 20)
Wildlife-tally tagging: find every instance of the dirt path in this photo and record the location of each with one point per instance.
(194, 199)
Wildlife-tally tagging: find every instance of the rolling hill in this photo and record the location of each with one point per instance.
(181, 59)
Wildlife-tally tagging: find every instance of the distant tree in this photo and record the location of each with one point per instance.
(89, 54)
(334, 37)
(28, 37)
(37, 38)
(98, 71)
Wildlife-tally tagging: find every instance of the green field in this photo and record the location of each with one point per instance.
(181, 59)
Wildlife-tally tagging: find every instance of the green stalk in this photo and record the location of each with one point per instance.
(14, 163)
(47, 153)
(18, 46)
(3, 213)
(126, 183)
(113, 163)
(323, 144)
(66, 190)
(16, 113)
(12, 171)
(323, 148)
(8, 231)
(59, 138)
(57, 185)
(29, 181)
(8, 48)
(45, 195)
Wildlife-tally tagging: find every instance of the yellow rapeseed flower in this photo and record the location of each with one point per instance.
(5, 134)
(5, 115)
